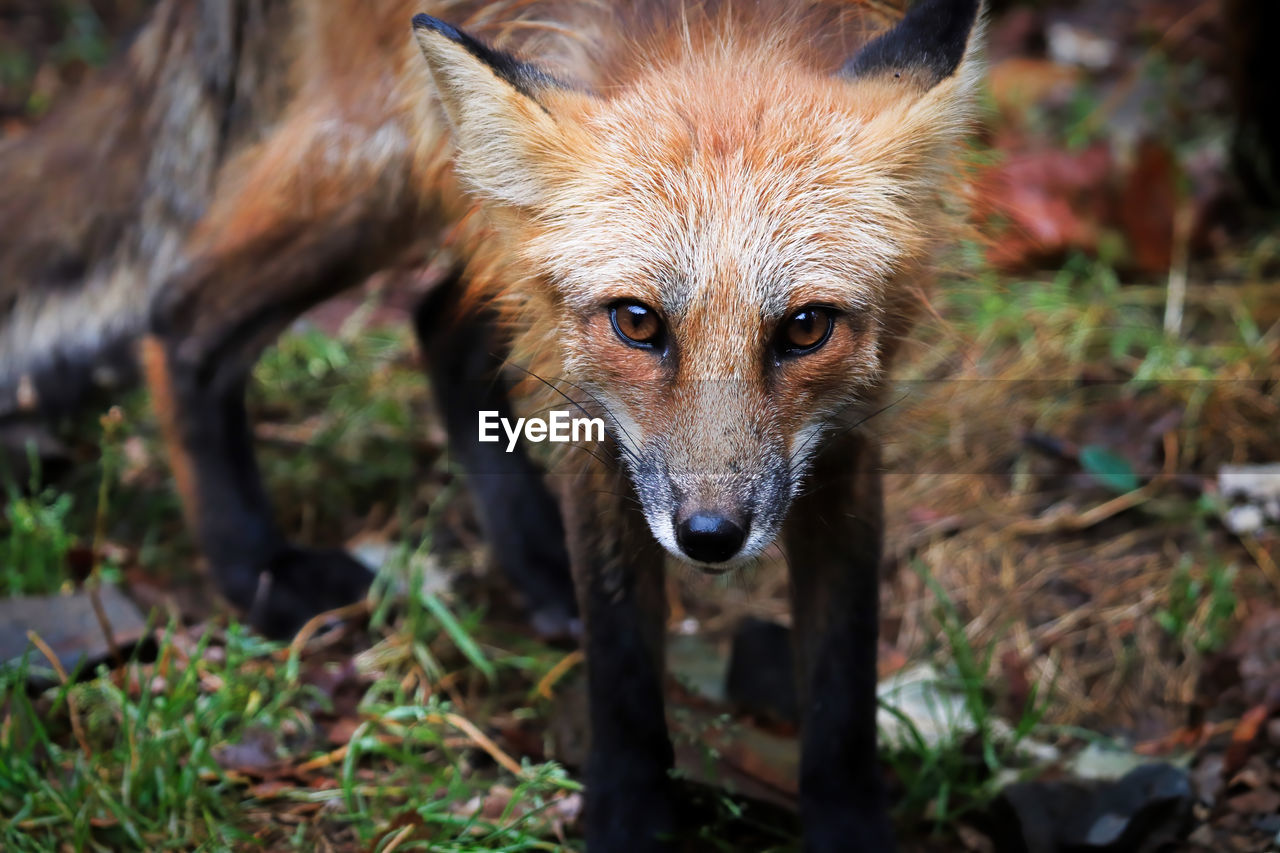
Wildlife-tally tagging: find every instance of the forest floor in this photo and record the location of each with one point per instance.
(1075, 586)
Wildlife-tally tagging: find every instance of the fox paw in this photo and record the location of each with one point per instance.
(556, 624)
(294, 585)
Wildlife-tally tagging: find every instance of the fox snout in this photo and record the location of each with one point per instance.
(711, 537)
(715, 513)
(716, 521)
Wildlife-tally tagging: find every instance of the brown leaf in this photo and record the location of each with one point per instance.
(270, 789)
(889, 660)
(341, 730)
(1017, 683)
(1258, 801)
(1147, 204)
(1037, 205)
(255, 755)
(1243, 738)
(1255, 774)
(1185, 738)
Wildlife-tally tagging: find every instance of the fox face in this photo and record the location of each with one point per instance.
(718, 244)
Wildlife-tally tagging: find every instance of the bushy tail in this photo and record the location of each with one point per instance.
(99, 198)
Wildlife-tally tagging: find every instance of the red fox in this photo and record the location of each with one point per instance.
(704, 222)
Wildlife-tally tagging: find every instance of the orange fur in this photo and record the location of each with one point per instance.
(155, 364)
(716, 168)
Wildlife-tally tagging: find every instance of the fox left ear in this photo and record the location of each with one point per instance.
(496, 104)
(926, 47)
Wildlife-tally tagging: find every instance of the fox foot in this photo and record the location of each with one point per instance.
(294, 585)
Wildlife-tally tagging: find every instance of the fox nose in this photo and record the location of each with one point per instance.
(710, 538)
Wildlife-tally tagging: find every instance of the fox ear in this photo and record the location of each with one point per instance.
(926, 47)
(501, 128)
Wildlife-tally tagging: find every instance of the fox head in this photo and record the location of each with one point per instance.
(720, 238)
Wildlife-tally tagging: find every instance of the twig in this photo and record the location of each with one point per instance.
(1263, 559)
(398, 839)
(315, 623)
(94, 588)
(111, 423)
(326, 760)
(1176, 301)
(557, 672)
(1087, 519)
(72, 706)
(480, 739)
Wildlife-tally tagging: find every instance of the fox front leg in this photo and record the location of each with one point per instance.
(618, 572)
(252, 266)
(833, 538)
(206, 429)
(520, 518)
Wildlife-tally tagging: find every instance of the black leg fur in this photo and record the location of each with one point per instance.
(520, 518)
(833, 538)
(278, 585)
(241, 287)
(618, 569)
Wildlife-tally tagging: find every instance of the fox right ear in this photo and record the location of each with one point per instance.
(927, 46)
(501, 128)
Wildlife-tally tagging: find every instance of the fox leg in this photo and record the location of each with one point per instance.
(208, 329)
(520, 518)
(833, 538)
(210, 446)
(290, 232)
(618, 571)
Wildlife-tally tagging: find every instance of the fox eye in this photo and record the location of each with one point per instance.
(636, 324)
(805, 331)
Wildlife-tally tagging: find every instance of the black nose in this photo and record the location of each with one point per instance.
(709, 538)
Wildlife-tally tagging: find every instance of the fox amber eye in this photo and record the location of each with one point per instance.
(805, 331)
(636, 324)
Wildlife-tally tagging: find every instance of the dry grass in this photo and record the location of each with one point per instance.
(1067, 577)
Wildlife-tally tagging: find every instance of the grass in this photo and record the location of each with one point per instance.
(33, 553)
(364, 442)
(139, 772)
(952, 776)
(1088, 569)
(217, 744)
(215, 739)
(1201, 605)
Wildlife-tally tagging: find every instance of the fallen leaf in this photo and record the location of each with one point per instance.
(1243, 738)
(256, 754)
(1148, 201)
(341, 730)
(1109, 468)
(1037, 205)
(1257, 801)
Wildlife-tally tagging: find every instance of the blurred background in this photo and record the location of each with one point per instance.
(1084, 525)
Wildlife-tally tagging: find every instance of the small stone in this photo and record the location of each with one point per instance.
(1202, 836)
(1244, 519)
(1270, 824)
(1207, 779)
(1259, 801)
